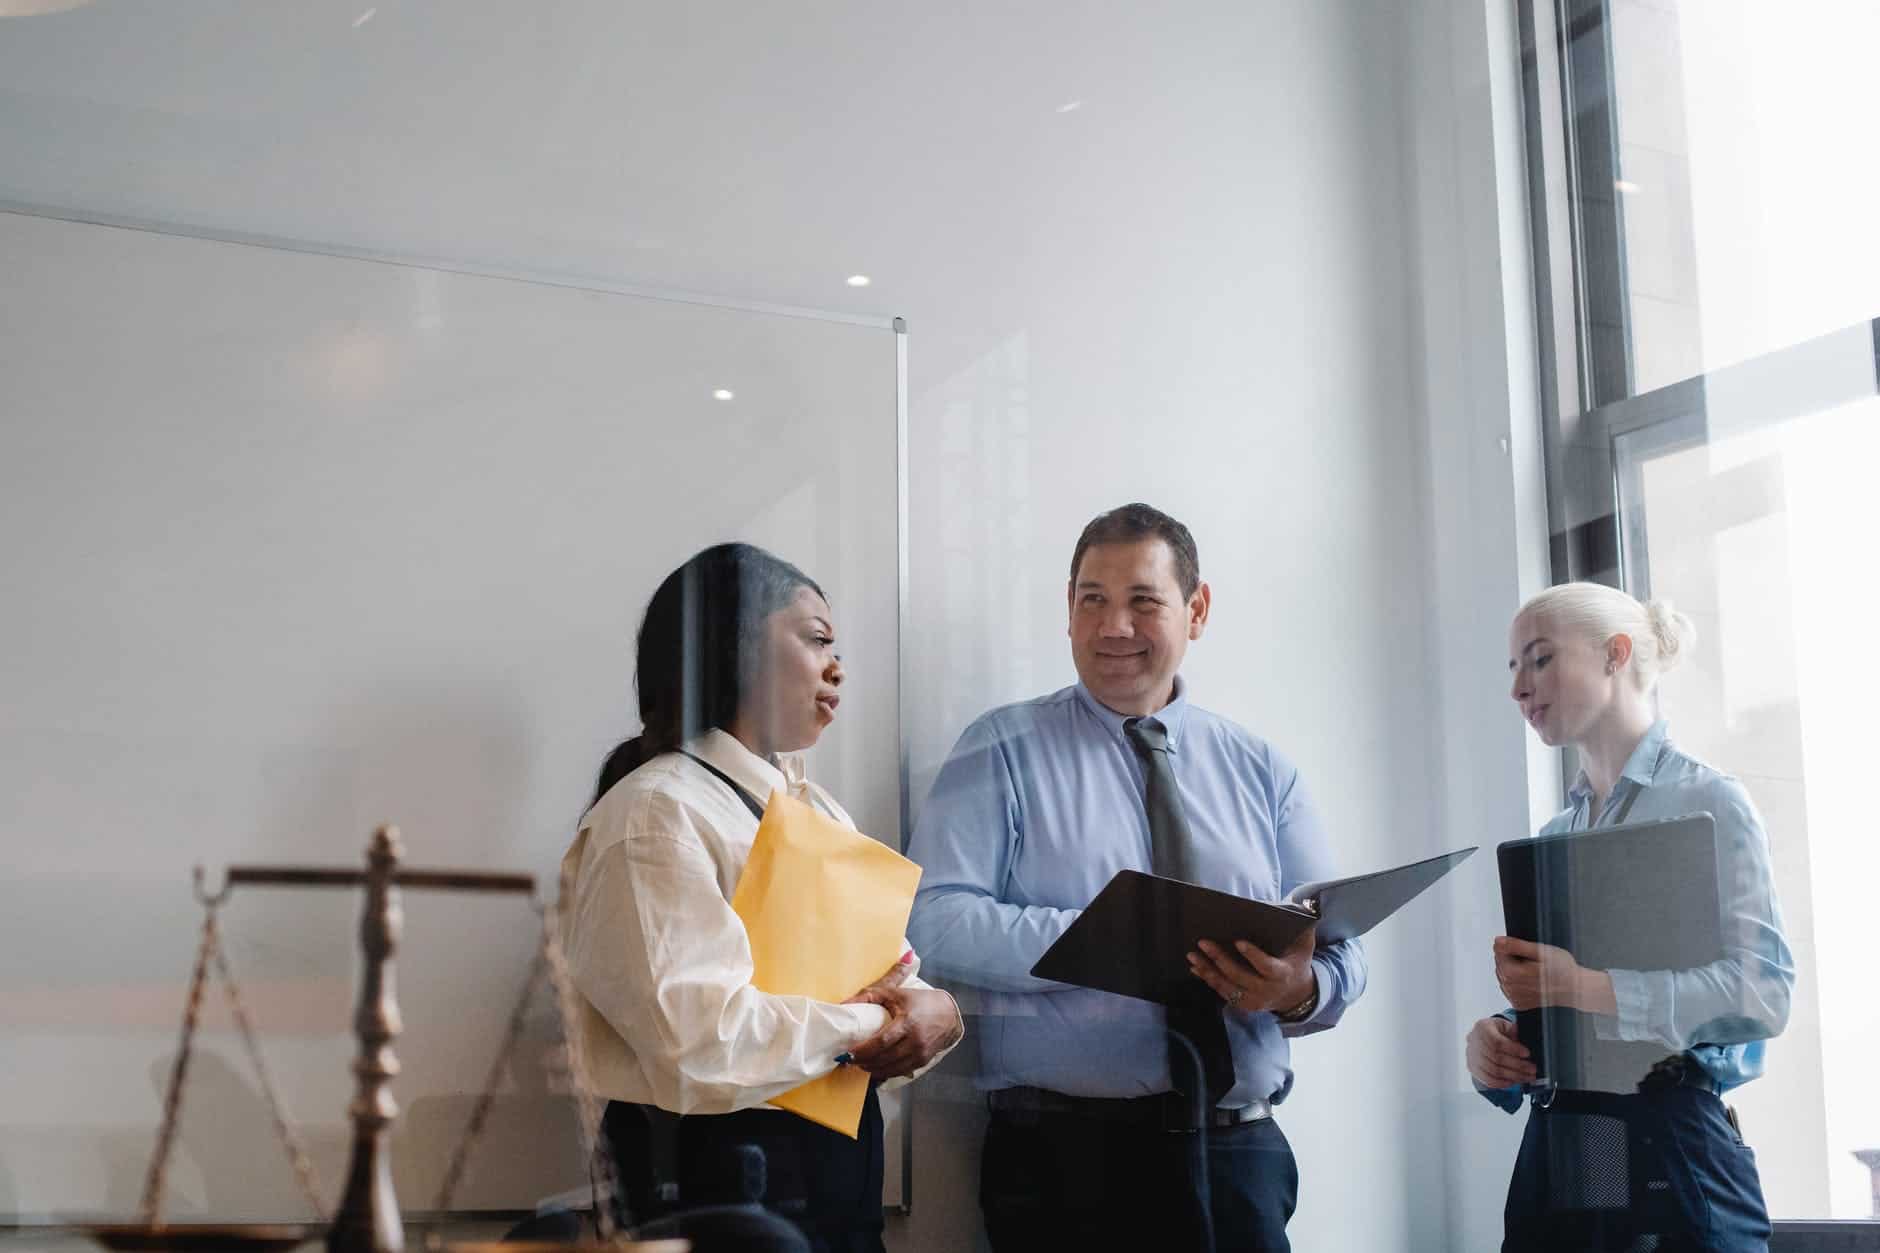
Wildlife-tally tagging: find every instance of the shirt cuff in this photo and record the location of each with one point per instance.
(1632, 991)
(1318, 1002)
(1508, 1098)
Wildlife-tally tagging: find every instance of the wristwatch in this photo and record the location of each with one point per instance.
(1304, 1009)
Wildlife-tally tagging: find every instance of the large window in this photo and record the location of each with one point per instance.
(1709, 275)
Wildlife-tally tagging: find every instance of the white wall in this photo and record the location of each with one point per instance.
(1222, 257)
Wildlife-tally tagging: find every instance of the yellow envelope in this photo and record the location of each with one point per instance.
(826, 909)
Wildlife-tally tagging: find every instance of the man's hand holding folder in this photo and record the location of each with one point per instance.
(1139, 936)
(1249, 979)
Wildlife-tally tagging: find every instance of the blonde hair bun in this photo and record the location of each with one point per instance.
(1674, 631)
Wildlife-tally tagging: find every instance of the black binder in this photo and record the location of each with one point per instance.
(1643, 896)
(1135, 937)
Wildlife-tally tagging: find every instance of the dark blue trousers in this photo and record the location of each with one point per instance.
(1661, 1170)
(822, 1181)
(1061, 1181)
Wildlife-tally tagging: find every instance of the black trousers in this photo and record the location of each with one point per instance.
(1062, 1181)
(1661, 1170)
(828, 1185)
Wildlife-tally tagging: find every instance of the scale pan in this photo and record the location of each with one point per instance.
(202, 1237)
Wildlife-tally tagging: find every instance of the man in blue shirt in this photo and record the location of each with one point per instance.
(1038, 806)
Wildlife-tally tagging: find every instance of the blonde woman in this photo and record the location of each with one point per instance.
(1585, 661)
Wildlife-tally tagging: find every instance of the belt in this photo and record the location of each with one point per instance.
(1597, 1101)
(1167, 1111)
(1679, 1071)
(1674, 1072)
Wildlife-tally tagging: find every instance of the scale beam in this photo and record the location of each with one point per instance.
(340, 877)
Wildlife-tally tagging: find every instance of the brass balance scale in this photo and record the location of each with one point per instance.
(367, 1220)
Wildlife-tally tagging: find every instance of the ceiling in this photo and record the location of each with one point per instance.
(761, 150)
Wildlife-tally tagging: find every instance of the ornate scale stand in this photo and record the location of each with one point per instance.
(368, 1219)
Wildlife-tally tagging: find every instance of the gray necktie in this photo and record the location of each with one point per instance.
(1171, 847)
(1195, 1016)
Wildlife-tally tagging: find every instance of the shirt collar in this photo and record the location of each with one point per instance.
(1640, 767)
(749, 771)
(1171, 715)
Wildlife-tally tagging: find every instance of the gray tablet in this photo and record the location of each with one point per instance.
(1643, 896)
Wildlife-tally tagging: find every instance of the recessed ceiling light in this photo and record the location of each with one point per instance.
(723, 393)
(365, 17)
(33, 8)
(859, 280)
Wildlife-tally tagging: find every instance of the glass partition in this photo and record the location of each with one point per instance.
(338, 542)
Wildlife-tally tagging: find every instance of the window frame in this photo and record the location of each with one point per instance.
(1596, 433)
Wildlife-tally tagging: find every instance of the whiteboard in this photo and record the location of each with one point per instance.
(297, 544)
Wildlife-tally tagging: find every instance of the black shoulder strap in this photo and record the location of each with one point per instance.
(750, 802)
(1625, 806)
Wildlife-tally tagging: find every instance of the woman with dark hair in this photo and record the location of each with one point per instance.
(737, 674)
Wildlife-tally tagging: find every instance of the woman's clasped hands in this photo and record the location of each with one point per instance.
(923, 1023)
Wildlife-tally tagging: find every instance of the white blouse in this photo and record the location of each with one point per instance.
(663, 965)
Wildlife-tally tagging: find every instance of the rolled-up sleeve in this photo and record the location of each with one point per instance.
(656, 950)
(964, 844)
(1745, 995)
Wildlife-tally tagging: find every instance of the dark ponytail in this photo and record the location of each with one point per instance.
(628, 756)
(698, 648)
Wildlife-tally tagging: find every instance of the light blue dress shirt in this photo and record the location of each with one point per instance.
(1040, 804)
(1720, 1014)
